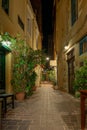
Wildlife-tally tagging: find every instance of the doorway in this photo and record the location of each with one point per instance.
(2, 71)
(71, 74)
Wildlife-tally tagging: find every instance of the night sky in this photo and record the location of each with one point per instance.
(46, 20)
(47, 16)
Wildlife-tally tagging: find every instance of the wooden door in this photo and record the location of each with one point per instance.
(71, 74)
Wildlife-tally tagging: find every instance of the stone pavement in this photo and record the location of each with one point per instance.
(46, 109)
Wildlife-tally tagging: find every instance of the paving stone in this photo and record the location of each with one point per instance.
(46, 109)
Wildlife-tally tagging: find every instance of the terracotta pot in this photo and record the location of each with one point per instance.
(34, 88)
(20, 96)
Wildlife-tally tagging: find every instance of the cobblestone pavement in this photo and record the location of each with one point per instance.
(46, 109)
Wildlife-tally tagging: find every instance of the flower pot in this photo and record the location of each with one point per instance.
(20, 96)
(34, 88)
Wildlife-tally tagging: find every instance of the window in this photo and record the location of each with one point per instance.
(5, 5)
(73, 11)
(83, 45)
(20, 22)
(29, 26)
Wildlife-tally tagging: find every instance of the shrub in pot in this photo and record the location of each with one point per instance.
(80, 82)
(24, 60)
(18, 67)
(18, 62)
(31, 83)
(35, 57)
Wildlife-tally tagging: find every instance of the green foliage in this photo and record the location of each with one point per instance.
(29, 91)
(52, 77)
(31, 83)
(43, 77)
(51, 74)
(6, 36)
(81, 78)
(24, 61)
(36, 57)
(19, 66)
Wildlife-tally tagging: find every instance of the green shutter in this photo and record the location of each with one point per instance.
(2, 70)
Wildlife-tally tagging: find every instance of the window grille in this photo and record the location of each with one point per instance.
(5, 5)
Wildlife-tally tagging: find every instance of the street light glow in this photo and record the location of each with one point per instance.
(47, 58)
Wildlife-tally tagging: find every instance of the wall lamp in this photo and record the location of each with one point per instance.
(66, 47)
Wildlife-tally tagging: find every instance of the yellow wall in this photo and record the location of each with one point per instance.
(65, 34)
(9, 23)
(8, 72)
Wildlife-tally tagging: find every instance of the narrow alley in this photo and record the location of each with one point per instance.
(46, 109)
(43, 40)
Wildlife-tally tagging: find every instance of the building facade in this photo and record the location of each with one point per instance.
(70, 39)
(16, 17)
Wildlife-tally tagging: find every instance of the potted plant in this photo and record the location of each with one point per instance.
(31, 83)
(35, 58)
(33, 80)
(18, 69)
(24, 61)
(80, 82)
(18, 80)
(18, 63)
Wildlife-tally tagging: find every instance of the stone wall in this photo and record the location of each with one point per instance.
(67, 35)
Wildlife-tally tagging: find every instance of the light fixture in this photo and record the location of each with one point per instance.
(6, 43)
(66, 47)
(47, 58)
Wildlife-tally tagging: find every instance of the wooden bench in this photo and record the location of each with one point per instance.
(7, 101)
